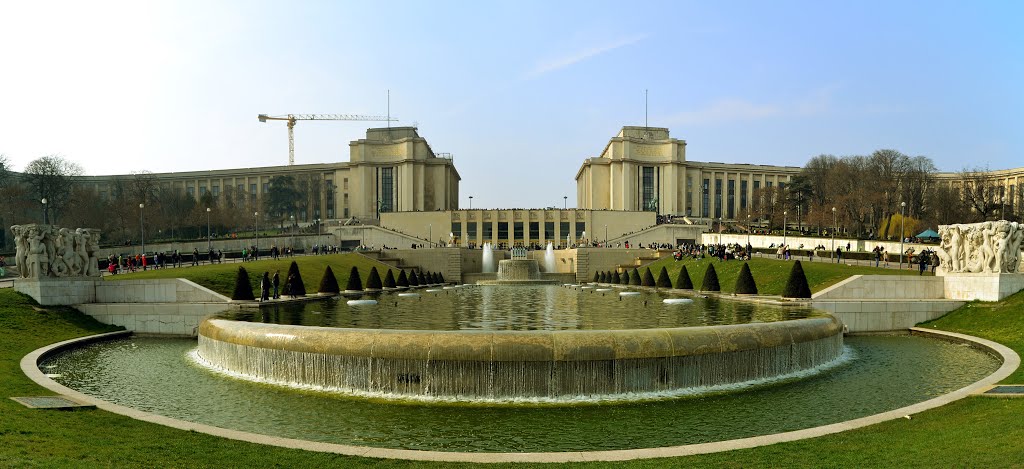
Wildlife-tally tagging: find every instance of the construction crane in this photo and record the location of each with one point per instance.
(292, 118)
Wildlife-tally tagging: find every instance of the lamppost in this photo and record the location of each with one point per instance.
(142, 229)
(834, 228)
(318, 236)
(209, 239)
(46, 217)
(605, 235)
(430, 234)
(256, 252)
(565, 202)
(748, 231)
(471, 202)
(784, 212)
(903, 210)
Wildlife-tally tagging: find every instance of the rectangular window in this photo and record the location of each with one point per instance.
(563, 230)
(549, 231)
(345, 211)
(689, 195)
(266, 187)
(718, 198)
(580, 229)
(647, 190)
(488, 230)
(202, 191)
(216, 191)
(730, 212)
(760, 197)
(517, 230)
(103, 195)
(503, 232)
(768, 184)
(252, 189)
(705, 208)
(330, 212)
(191, 191)
(387, 189)
(534, 231)
(743, 195)
(471, 231)
(1011, 200)
(457, 229)
(782, 186)
(344, 183)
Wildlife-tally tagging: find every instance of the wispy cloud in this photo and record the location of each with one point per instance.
(817, 102)
(559, 63)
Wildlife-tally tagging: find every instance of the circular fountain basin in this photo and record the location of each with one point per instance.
(518, 272)
(518, 365)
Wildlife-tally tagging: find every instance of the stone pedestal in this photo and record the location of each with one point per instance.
(984, 287)
(49, 291)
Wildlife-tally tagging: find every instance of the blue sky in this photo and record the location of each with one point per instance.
(519, 92)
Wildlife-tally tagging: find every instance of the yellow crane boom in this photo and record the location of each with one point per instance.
(292, 118)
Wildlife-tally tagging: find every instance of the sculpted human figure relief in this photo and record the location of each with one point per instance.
(987, 247)
(48, 251)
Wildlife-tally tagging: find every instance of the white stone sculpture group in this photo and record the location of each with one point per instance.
(50, 251)
(987, 247)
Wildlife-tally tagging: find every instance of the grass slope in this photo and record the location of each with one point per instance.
(770, 274)
(974, 432)
(221, 277)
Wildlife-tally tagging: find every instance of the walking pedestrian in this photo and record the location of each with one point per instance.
(277, 283)
(265, 287)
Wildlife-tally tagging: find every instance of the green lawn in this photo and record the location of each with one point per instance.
(221, 277)
(974, 432)
(770, 274)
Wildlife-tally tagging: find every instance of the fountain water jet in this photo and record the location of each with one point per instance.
(549, 258)
(488, 262)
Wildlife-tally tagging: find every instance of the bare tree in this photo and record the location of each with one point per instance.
(52, 178)
(980, 193)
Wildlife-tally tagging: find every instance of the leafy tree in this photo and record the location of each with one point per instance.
(281, 198)
(329, 283)
(354, 282)
(634, 277)
(373, 280)
(663, 281)
(683, 281)
(298, 287)
(648, 279)
(710, 280)
(243, 289)
(796, 285)
(745, 284)
(52, 177)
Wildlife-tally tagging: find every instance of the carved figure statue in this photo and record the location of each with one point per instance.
(987, 247)
(21, 249)
(48, 251)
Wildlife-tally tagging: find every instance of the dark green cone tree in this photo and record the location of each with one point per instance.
(354, 282)
(298, 287)
(440, 277)
(601, 277)
(634, 277)
(373, 280)
(389, 280)
(648, 279)
(414, 280)
(243, 289)
(710, 282)
(403, 280)
(745, 284)
(597, 277)
(624, 278)
(329, 283)
(615, 278)
(796, 286)
(683, 281)
(663, 281)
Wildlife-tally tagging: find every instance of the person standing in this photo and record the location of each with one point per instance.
(265, 287)
(195, 257)
(922, 260)
(934, 261)
(277, 283)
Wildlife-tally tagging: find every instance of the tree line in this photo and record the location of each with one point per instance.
(168, 213)
(877, 195)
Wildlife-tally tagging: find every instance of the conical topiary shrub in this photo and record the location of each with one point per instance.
(414, 280)
(648, 279)
(634, 277)
(710, 280)
(745, 284)
(663, 281)
(389, 280)
(796, 286)
(373, 280)
(683, 281)
(624, 278)
(243, 289)
(615, 278)
(596, 277)
(329, 284)
(298, 287)
(403, 280)
(601, 277)
(440, 277)
(437, 278)
(355, 284)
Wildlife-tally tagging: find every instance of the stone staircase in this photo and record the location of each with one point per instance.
(396, 262)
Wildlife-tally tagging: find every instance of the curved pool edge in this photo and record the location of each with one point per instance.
(1010, 362)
